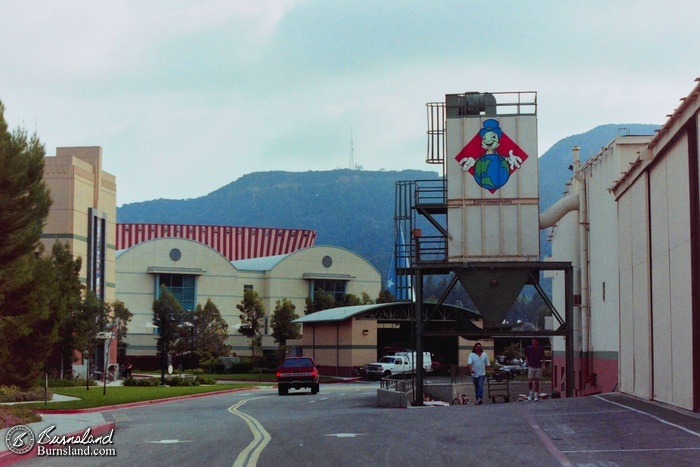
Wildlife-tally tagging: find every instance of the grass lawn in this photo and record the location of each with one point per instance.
(123, 395)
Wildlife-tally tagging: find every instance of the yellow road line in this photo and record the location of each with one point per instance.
(249, 456)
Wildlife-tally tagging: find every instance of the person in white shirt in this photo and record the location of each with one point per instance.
(479, 364)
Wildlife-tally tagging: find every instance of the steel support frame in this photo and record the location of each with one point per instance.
(565, 329)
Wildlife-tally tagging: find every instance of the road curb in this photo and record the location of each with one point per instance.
(129, 405)
(7, 457)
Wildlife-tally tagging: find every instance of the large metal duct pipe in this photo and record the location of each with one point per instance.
(558, 210)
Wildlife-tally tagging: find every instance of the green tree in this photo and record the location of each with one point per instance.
(121, 317)
(325, 301)
(540, 314)
(321, 301)
(385, 296)
(24, 204)
(512, 351)
(89, 320)
(209, 331)
(27, 329)
(252, 313)
(64, 306)
(281, 323)
(349, 300)
(167, 315)
(365, 299)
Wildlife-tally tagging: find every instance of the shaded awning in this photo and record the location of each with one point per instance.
(167, 270)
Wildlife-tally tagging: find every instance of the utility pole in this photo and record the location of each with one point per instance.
(351, 162)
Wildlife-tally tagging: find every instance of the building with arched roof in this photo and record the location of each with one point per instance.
(195, 272)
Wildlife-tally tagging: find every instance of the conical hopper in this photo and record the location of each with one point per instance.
(493, 291)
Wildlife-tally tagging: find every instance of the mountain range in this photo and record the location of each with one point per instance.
(353, 209)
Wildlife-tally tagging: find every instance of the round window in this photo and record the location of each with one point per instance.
(327, 261)
(175, 254)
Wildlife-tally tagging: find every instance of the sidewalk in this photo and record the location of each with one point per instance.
(574, 431)
(76, 422)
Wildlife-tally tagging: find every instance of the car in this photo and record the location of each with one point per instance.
(513, 368)
(297, 373)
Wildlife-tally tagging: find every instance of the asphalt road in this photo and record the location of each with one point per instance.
(341, 426)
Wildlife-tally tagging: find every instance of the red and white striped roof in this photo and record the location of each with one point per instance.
(235, 243)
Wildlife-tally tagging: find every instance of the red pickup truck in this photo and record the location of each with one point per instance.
(297, 373)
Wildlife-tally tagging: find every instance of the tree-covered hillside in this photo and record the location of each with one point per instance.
(348, 208)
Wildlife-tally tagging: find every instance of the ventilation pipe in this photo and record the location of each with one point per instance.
(577, 201)
(558, 210)
(583, 250)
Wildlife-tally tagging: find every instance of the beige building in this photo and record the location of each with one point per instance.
(340, 339)
(83, 213)
(194, 272)
(633, 233)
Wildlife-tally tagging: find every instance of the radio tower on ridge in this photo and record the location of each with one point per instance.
(351, 162)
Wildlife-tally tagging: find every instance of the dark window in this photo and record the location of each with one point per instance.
(297, 363)
(182, 287)
(331, 287)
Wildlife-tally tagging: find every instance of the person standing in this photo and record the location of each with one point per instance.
(478, 364)
(534, 358)
(127, 369)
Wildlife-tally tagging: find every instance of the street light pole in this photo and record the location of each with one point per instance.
(106, 337)
(192, 346)
(165, 334)
(163, 358)
(86, 360)
(190, 326)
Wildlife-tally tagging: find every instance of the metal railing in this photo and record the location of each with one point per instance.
(399, 383)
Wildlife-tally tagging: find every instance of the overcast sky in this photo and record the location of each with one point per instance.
(187, 96)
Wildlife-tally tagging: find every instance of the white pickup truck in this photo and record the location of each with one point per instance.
(399, 363)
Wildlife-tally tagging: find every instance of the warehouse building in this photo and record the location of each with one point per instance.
(633, 232)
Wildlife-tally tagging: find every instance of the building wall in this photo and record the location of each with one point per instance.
(635, 339)
(671, 273)
(81, 191)
(583, 236)
(338, 346)
(656, 200)
(218, 279)
(291, 277)
(78, 184)
(137, 269)
(603, 251)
